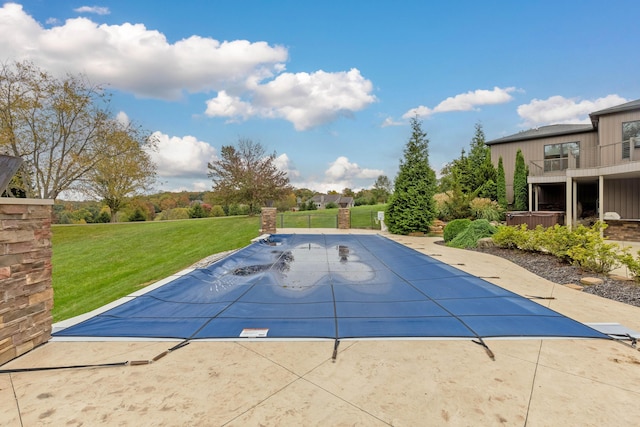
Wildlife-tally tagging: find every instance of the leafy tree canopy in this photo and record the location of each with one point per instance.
(246, 174)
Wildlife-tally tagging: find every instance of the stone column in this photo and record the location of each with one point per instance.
(268, 220)
(26, 293)
(344, 219)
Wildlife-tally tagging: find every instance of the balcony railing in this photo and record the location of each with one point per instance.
(590, 157)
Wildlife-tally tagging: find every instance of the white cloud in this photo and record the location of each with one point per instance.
(390, 122)
(248, 77)
(132, 58)
(305, 99)
(558, 109)
(182, 156)
(284, 163)
(123, 119)
(343, 169)
(98, 10)
(233, 107)
(465, 102)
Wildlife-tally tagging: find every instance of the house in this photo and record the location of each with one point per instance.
(322, 200)
(586, 170)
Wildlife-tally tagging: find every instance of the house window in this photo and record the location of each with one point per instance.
(558, 157)
(630, 137)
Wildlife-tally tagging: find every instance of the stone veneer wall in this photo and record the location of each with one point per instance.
(623, 229)
(26, 294)
(268, 220)
(344, 219)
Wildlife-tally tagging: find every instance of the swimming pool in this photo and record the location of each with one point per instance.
(329, 286)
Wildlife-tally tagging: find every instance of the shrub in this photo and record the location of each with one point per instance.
(453, 228)
(197, 211)
(482, 208)
(442, 209)
(511, 236)
(331, 205)
(137, 215)
(591, 252)
(217, 211)
(632, 264)
(557, 240)
(469, 237)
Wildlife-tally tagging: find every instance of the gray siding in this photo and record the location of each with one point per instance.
(610, 130)
(533, 152)
(621, 196)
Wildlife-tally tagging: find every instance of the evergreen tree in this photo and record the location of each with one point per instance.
(482, 171)
(411, 207)
(520, 188)
(501, 185)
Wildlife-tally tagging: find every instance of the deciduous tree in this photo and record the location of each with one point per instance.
(55, 124)
(382, 188)
(246, 174)
(126, 170)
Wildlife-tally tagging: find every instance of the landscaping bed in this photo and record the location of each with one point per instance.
(554, 270)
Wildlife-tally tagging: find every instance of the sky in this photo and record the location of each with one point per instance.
(330, 86)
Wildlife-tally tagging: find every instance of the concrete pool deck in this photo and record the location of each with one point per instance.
(531, 382)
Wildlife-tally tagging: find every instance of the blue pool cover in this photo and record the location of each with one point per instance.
(329, 286)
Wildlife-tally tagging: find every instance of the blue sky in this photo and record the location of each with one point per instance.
(330, 86)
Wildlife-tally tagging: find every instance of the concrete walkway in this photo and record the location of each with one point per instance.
(371, 383)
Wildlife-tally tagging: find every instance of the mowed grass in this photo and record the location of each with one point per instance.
(361, 217)
(99, 263)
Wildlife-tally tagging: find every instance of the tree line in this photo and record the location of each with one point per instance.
(70, 141)
(469, 187)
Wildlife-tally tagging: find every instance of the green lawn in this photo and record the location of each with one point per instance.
(99, 263)
(361, 217)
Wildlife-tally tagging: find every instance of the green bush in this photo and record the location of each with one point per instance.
(510, 236)
(557, 240)
(217, 211)
(583, 247)
(469, 237)
(632, 264)
(483, 208)
(137, 215)
(453, 228)
(591, 252)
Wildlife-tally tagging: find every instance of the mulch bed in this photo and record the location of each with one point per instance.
(554, 270)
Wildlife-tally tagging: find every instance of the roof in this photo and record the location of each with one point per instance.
(331, 198)
(633, 105)
(543, 132)
(628, 106)
(566, 129)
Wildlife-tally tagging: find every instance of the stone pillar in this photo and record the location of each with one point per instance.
(26, 294)
(268, 220)
(344, 219)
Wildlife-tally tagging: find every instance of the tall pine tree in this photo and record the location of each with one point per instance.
(520, 188)
(501, 185)
(411, 207)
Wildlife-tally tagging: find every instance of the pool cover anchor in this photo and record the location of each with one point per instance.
(480, 342)
(622, 338)
(335, 350)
